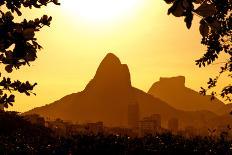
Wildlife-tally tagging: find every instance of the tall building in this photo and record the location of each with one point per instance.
(173, 124)
(133, 116)
(157, 120)
(150, 125)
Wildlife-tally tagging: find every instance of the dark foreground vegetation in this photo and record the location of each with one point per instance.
(18, 136)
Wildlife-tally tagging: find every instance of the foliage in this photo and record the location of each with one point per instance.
(216, 30)
(19, 136)
(18, 44)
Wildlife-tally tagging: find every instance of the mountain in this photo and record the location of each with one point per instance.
(107, 97)
(175, 93)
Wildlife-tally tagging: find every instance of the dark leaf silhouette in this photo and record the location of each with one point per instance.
(206, 9)
(188, 19)
(21, 36)
(169, 1)
(177, 9)
(216, 30)
(204, 28)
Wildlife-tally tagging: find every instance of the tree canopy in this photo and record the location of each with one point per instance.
(216, 31)
(18, 44)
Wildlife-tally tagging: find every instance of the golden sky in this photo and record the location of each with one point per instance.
(141, 34)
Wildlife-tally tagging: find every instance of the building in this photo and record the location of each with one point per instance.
(120, 131)
(173, 125)
(133, 116)
(35, 119)
(94, 127)
(73, 129)
(190, 131)
(58, 126)
(62, 128)
(157, 119)
(150, 125)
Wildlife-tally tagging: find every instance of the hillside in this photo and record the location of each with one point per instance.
(107, 96)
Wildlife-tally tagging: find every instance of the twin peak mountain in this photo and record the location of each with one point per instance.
(108, 95)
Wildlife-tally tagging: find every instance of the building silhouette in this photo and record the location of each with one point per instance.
(150, 125)
(190, 131)
(157, 119)
(35, 119)
(173, 124)
(133, 115)
(94, 127)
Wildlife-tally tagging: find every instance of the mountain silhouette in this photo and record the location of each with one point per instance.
(175, 93)
(107, 96)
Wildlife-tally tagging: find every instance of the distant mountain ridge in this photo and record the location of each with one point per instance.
(107, 96)
(173, 91)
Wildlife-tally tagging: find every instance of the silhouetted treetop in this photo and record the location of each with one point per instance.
(18, 43)
(216, 30)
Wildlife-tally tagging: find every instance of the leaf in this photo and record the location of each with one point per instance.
(56, 2)
(31, 56)
(204, 29)
(186, 4)
(45, 17)
(188, 20)
(198, 1)
(206, 10)
(9, 16)
(178, 9)
(9, 68)
(169, 1)
(28, 94)
(11, 98)
(28, 33)
(5, 105)
(18, 12)
(215, 25)
(43, 2)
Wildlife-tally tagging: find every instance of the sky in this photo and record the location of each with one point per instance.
(82, 32)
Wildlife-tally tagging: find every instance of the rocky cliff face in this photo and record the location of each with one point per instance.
(175, 93)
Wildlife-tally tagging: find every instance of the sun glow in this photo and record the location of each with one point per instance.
(101, 10)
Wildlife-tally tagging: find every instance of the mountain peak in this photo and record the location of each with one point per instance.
(111, 58)
(111, 73)
(177, 81)
(111, 55)
(109, 65)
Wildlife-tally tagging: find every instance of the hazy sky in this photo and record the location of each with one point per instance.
(140, 33)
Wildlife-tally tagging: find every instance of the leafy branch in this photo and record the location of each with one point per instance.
(216, 30)
(18, 44)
